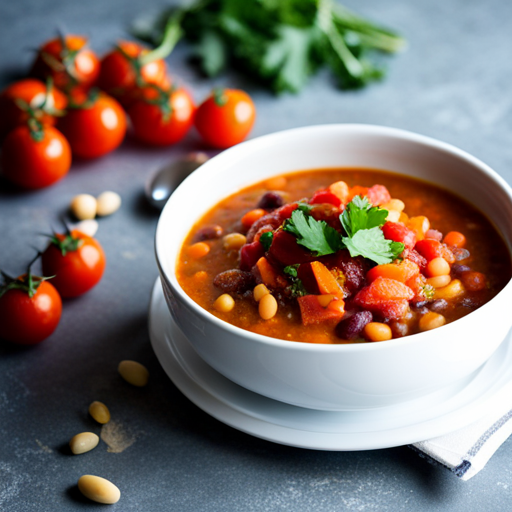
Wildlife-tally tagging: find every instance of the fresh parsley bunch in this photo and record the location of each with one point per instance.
(281, 43)
(361, 222)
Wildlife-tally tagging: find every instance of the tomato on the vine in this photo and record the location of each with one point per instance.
(30, 309)
(225, 118)
(29, 96)
(76, 260)
(94, 126)
(123, 70)
(162, 117)
(68, 61)
(35, 156)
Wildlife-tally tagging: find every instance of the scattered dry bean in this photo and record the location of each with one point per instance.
(99, 489)
(134, 373)
(83, 206)
(108, 203)
(83, 442)
(99, 412)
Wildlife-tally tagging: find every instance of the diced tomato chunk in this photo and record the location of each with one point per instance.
(399, 233)
(378, 194)
(415, 257)
(325, 196)
(285, 212)
(250, 254)
(287, 251)
(381, 290)
(402, 271)
(431, 249)
(313, 313)
(418, 284)
(393, 310)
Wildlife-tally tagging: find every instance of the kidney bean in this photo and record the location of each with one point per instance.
(270, 201)
(209, 233)
(438, 305)
(399, 329)
(457, 268)
(234, 281)
(351, 328)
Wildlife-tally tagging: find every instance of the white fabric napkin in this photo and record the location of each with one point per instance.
(466, 451)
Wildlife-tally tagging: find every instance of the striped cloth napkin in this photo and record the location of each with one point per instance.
(466, 451)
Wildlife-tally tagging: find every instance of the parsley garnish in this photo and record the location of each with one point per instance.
(361, 222)
(297, 288)
(279, 43)
(266, 240)
(317, 236)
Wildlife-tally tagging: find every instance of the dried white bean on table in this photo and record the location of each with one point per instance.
(108, 203)
(99, 489)
(83, 206)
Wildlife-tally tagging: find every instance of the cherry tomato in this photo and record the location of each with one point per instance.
(68, 61)
(35, 157)
(121, 71)
(76, 260)
(29, 94)
(161, 118)
(28, 316)
(225, 118)
(94, 127)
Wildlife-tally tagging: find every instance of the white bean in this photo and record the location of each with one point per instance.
(83, 206)
(108, 203)
(99, 489)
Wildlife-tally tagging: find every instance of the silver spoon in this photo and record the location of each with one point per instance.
(165, 181)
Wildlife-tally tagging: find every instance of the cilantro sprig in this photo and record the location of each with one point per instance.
(361, 222)
(279, 43)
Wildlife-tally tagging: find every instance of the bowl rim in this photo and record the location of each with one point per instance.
(359, 129)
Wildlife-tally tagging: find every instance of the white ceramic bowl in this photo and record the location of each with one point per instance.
(338, 377)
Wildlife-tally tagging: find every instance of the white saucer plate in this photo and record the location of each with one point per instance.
(286, 424)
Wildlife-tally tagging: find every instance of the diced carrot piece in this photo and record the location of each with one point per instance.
(269, 275)
(357, 191)
(402, 271)
(455, 239)
(313, 313)
(327, 283)
(251, 217)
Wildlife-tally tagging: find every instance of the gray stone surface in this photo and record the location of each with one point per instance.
(453, 83)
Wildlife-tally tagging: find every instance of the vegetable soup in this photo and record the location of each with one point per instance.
(342, 256)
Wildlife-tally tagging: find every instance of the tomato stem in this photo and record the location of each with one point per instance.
(172, 34)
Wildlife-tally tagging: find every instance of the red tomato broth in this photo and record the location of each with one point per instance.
(446, 212)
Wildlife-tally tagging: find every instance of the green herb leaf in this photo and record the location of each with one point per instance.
(296, 289)
(291, 270)
(371, 244)
(317, 236)
(359, 214)
(277, 42)
(266, 240)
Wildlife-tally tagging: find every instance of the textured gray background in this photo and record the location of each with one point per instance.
(453, 83)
